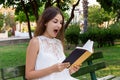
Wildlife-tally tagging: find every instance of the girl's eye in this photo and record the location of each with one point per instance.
(55, 21)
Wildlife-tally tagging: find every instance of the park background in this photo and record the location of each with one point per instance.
(101, 24)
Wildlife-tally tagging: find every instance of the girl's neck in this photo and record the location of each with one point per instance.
(47, 36)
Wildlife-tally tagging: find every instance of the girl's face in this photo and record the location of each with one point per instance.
(53, 26)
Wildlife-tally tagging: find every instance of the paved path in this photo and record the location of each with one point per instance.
(13, 40)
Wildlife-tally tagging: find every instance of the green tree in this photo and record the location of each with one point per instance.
(9, 21)
(1, 21)
(85, 15)
(111, 5)
(72, 34)
(9, 24)
(98, 15)
(20, 17)
(31, 7)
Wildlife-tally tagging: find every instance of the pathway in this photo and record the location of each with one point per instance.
(13, 40)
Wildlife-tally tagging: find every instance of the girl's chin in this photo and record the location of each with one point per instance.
(54, 35)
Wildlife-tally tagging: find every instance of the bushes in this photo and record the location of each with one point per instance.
(72, 34)
(102, 36)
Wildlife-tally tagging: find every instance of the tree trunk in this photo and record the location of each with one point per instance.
(58, 5)
(85, 14)
(25, 10)
(35, 8)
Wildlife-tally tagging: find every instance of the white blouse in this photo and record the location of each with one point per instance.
(50, 53)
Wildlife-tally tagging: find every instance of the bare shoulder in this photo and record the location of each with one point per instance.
(34, 40)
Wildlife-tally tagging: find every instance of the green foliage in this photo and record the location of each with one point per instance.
(1, 20)
(30, 9)
(66, 16)
(9, 33)
(106, 4)
(64, 5)
(32, 18)
(33, 28)
(115, 30)
(72, 34)
(111, 5)
(40, 6)
(93, 17)
(89, 34)
(21, 17)
(98, 15)
(9, 21)
(103, 36)
(1, 1)
(41, 9)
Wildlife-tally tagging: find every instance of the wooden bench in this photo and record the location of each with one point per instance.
(92, 67)
(13, 72)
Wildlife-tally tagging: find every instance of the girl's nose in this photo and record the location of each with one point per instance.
(59, 25)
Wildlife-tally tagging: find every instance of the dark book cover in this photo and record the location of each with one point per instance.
(75, 54)
(80, 54)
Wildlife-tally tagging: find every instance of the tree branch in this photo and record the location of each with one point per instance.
(25, 10)
(72, 14)
(48, 4)
(58, 5)
(34, 6)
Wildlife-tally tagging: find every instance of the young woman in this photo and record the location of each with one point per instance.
(45, 51)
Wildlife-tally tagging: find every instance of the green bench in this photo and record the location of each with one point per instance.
(92, 67)
(13, 72)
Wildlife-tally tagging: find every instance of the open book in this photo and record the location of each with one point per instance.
(80, 54)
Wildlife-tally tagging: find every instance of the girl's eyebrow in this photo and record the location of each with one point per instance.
(57, 19)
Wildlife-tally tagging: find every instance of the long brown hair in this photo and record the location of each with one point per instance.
(48, 14)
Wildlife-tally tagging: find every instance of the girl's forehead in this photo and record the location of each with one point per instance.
(58, 16)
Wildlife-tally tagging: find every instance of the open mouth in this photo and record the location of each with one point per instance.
(56, 30)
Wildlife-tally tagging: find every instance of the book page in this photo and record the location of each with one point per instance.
(87, 46)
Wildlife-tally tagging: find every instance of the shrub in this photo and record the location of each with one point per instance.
(103, 36)
(72, 34)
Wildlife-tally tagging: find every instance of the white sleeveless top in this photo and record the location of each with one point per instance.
(51, 52)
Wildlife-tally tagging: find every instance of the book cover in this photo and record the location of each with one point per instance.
(80, 54)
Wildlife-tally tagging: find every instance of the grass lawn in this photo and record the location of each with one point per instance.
(112, 59)
(14, 55)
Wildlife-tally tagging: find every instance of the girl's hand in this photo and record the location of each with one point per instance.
(73, 69)
(60, 66)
